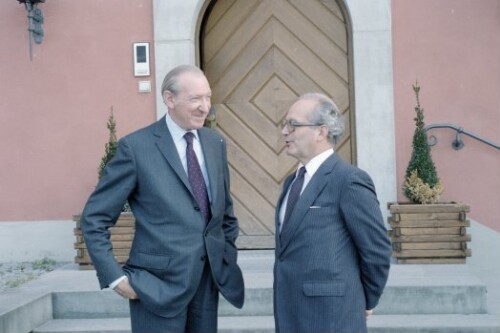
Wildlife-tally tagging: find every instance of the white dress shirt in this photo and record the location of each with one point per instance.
(311, 167)
(177, 134)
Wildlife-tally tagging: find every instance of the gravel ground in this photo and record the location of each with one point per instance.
(14, 274)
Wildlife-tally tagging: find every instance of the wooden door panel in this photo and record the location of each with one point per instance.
(309, 62)
(325, 47)
(224, 21)
(277, 165)
(253, 172)
(258, 49)
(248, 196)
(334, 8)
(332, 26)
(248, 32)
(259, 56)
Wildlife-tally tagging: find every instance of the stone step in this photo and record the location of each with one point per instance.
(265, 324)
(418, 298)
(411, 289)
(426, 294)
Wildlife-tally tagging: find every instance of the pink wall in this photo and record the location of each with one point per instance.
(53, 110)
(453, 48)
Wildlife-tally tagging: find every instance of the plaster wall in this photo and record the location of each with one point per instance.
(29, 241)
(452, 47)
(54, 109)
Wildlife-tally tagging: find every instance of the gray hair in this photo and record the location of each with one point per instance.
(326, 112)
(170, 81)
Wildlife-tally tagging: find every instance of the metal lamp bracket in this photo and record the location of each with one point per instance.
(35, 22)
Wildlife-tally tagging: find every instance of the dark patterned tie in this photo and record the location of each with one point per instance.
(196, 180)
(294, 194)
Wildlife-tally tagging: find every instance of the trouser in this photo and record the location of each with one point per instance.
(200, 315)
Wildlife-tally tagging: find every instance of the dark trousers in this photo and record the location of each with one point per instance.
(200, 316)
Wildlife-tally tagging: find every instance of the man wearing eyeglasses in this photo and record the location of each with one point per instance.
(332, 249)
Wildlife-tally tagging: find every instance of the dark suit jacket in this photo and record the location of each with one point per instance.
(333, 255)
(172, 241)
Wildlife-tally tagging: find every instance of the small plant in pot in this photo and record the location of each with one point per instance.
(122, 233)
(422, 184)
(424, 230)
(110, 150)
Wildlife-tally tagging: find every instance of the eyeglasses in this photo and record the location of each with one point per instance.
(291, 125)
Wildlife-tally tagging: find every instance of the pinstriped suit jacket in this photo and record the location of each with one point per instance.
(333, 255)
(172, 241)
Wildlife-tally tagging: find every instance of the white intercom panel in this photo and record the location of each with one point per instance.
(141, 59)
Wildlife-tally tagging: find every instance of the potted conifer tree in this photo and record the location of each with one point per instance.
(122, 233)
(425, 230)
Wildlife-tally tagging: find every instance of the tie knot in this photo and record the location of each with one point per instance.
(189, 136)
(302, 171)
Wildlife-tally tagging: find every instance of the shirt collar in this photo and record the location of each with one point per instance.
(313, 165)
(176, 131)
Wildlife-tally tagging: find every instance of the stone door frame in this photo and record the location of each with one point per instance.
(176, 41)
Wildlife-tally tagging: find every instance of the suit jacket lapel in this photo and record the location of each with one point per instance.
(166, 145)
(212, 156)
(286, 185)
(307, 198)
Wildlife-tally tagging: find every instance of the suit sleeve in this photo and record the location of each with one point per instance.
(361, 211)
(103, 209)
(230, 223)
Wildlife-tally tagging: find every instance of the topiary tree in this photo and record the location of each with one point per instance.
(110, 150)
(111, 145)
(422, 184)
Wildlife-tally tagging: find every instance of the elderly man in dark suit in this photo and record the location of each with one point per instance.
(332, 250)
(175, 176)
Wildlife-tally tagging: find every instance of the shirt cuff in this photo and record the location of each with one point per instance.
(116, 282)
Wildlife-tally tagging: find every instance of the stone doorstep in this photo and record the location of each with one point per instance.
(17, 305)
(24, 316)
(408, 299)
(265, 324)
(410, 289)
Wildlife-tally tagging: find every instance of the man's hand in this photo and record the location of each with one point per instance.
(368, 313)
(125, 290)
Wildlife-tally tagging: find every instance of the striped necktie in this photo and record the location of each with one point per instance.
(294, 194)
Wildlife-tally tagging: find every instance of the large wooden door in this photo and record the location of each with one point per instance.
(259, 56)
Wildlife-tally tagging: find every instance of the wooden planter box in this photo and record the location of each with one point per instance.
(429, 234)
(122, 234)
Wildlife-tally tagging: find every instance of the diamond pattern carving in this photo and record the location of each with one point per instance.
(274, 99)
(259, 56)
